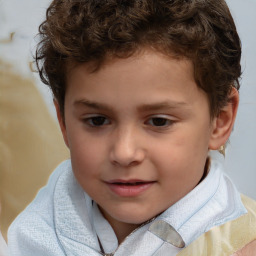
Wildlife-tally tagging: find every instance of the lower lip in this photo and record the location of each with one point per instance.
(129, 190)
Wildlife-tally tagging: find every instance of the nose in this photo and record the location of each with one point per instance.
(126, 148)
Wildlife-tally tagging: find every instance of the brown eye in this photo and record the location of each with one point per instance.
(159, 121)
(96, 121)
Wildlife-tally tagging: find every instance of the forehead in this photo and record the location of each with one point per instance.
(149, 77)
(148, 60)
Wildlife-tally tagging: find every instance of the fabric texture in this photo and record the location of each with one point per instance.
(226, 239)
(62, 220)
(3, 246)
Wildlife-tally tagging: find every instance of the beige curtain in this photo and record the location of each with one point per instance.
(31, 145)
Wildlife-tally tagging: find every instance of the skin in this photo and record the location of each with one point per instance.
(141, 118)
(248, 250)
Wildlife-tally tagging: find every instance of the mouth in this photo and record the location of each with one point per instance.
(129, 188)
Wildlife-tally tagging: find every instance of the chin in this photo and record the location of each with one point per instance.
(135, 218)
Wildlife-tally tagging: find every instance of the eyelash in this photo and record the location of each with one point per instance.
(165, 122)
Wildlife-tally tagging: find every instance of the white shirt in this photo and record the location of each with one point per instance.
(3, 247)
(62, 220)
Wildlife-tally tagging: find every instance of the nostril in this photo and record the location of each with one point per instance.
(125, 164)
(127, 159)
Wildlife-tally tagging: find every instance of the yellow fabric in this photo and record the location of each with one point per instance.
(226, 239)
(31, 145)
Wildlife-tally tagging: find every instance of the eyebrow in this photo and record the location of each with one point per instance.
(162, 105)
(91, 104)
(145, 107)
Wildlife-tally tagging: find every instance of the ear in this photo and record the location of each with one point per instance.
(224, 122)
(61, 122)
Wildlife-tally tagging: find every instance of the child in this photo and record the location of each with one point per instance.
(143, 91)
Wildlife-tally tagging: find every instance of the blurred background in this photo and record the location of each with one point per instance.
(31, 145)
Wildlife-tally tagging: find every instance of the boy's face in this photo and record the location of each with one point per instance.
(138, 131)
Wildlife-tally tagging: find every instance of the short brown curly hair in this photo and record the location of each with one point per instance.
(203, 31)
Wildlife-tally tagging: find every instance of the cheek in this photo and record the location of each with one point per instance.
(87, 156)
(86, 159)
(87, 168)
(180, 158)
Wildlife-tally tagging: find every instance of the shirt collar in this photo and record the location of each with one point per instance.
(212, 202)
(104, 231)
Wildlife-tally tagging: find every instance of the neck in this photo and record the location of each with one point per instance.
(121, 229)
